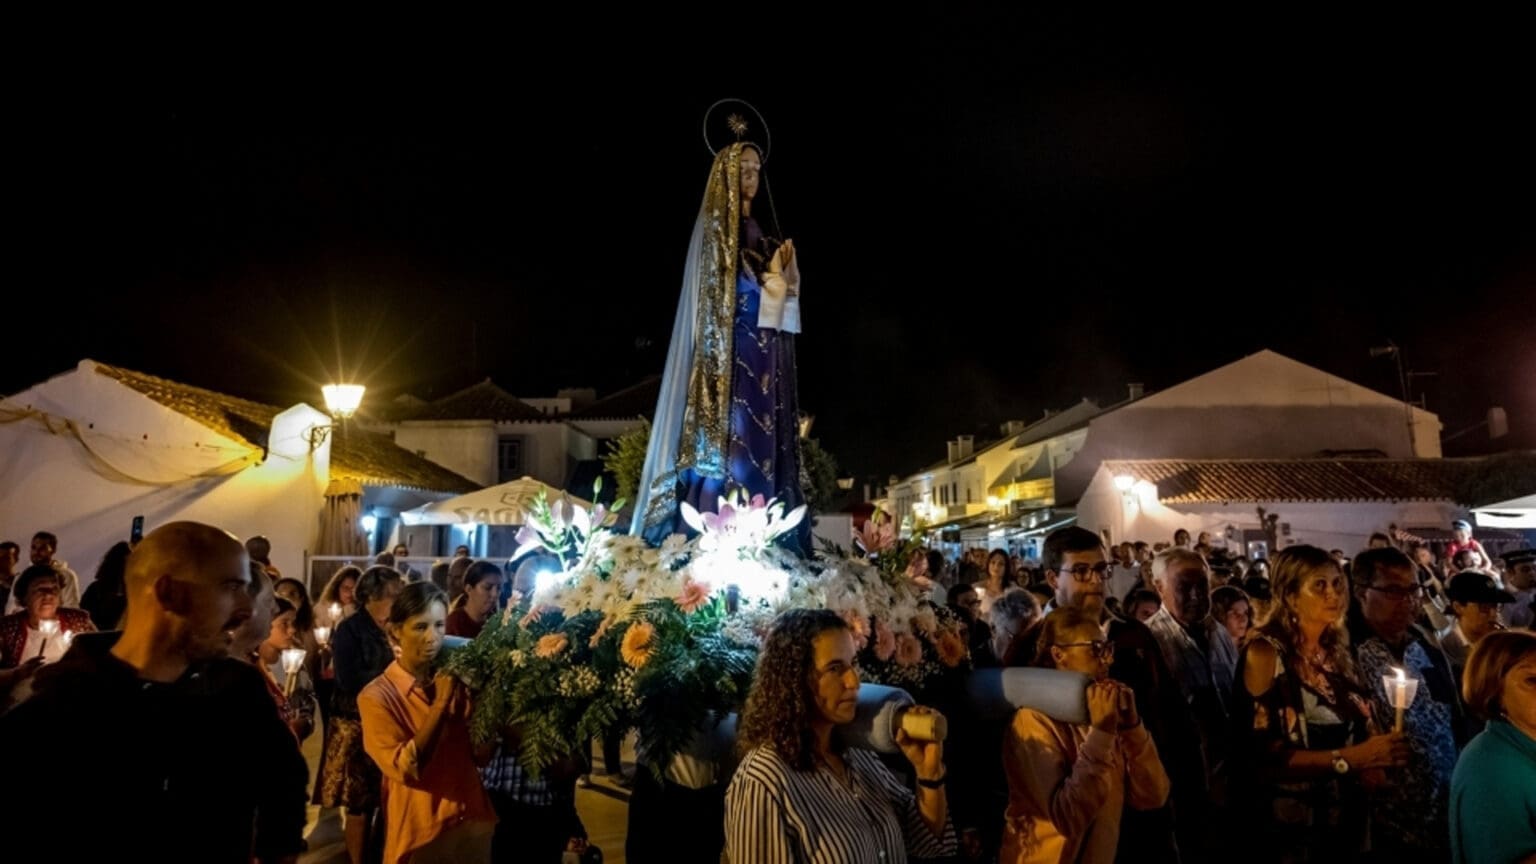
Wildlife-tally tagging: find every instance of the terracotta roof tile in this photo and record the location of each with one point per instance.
(1196, 481)
(367, 457)
(483, 401)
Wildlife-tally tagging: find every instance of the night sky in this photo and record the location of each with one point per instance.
(994, 217)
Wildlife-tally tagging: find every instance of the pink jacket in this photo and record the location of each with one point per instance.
(1067, 786)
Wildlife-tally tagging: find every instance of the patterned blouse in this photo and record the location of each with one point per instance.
(1414, 805)
(1307, 707)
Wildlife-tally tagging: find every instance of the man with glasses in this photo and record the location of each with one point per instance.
(1077, 570)
(1408, 816)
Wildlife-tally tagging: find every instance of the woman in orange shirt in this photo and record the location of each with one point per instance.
(415, 726)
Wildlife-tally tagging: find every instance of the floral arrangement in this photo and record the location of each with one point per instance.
(662, 638)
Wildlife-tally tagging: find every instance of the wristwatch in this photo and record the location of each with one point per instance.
(1340, 764)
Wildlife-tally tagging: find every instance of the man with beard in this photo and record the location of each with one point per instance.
(164, 747)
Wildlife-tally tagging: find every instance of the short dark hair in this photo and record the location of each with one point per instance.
(415, 599)
(259, 548)
(46, 536)
(11, 544)
(1224, 598)
(1369, 563)
(1139, 596)
(1072, 538)
(370, 586)
(35, 573)
(958, 590)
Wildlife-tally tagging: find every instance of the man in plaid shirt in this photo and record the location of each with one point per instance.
(537, 814)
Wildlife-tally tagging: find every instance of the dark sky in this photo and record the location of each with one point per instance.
(994, 217)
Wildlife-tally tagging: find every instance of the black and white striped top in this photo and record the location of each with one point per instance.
(777, 815)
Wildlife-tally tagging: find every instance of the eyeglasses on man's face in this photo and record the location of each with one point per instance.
(1101, 649)
(1082, 572)
(1399, 592)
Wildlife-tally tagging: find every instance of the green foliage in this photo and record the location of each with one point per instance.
(625, 459)
(819, 470)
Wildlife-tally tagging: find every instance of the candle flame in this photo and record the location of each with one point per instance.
(1402, 678)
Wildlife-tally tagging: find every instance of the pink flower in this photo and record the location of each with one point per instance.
(550, 645)
(876, 535)
(909, 651)
(885, 641)
(695, 595)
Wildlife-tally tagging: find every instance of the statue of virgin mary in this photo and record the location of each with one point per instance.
(727, 418)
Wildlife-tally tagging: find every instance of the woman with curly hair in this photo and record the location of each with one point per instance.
(799, 795)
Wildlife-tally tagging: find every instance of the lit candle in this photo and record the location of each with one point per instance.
(48, 628)
(1400, 689)
(323, 636)
(335, 614)
(293, 660)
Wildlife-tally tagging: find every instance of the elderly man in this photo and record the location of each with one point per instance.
(168, 749)
(1409, 814)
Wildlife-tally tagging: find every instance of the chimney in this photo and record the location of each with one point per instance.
(1137, 389)
(1014, 427)
(954, 447)
(966, 444)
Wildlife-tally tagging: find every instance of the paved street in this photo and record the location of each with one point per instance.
(603, 807)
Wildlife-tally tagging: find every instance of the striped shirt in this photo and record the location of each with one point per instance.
(775, 814)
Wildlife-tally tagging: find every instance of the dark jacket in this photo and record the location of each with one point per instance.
(118, 768)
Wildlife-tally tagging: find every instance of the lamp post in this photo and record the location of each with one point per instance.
(341, 401)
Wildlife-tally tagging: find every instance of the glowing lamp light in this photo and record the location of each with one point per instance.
(1124, 482)
(544, 581)
(342, 400)
(369, 523)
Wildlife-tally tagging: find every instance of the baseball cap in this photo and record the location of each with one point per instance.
(1519, 556)
(1475, 586)
(1462, 524)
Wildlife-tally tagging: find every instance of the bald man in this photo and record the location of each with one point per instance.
(152, 743)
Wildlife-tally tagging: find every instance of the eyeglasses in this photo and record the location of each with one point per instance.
(1100, 648)
(1399, 592)
(1080, 572)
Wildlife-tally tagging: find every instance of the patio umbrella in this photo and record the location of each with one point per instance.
(505, 504)
(340, 530)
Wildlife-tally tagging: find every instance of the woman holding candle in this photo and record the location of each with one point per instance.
(37, 633)
(1311, 747)
(304, 635)
(1493, 791)
(416, 729)
(338, 598)
(282, 665)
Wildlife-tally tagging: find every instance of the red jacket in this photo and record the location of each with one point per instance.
(13, 632)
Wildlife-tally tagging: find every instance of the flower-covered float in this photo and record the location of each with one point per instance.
(626, 635)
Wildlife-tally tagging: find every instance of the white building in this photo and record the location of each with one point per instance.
(88, 450)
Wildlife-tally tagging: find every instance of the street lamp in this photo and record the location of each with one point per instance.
(342, 401)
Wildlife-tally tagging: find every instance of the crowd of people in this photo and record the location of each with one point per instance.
(1232, 707)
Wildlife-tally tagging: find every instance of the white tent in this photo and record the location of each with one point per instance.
(506, 504)
(1514, 513)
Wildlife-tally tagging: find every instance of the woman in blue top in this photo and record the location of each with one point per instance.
(1493, 790)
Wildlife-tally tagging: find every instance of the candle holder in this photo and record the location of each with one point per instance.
(293, 661)
(1400, 692)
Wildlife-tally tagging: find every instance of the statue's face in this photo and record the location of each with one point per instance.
(751, 171)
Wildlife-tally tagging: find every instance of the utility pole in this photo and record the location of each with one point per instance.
(1402, 381)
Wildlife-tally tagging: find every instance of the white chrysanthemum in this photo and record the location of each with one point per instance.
(672, 550)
